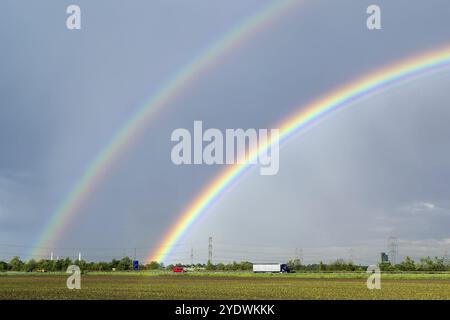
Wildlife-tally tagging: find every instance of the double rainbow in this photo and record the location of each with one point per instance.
(102, 163)
(337, 100)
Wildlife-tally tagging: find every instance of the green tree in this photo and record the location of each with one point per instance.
(220, 266)
(45, 264)
(294, 264)
(209, 266)
(322, 266)
(16, 264)
(426, 264)
(65, 264)
(125, 264)
(245, 265)
(84, 266)
(154, 265)
(3, 266)
(439, 264)
(31, 265)
(386, 266)
(407, 265)
(59, 265)
(103, 266)
(115, 263)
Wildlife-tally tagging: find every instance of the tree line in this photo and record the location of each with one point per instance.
(426, 264)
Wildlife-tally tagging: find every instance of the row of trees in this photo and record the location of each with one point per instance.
(427, 264)
(337, 265)
(61, 265)
(424, 264)
(124, 264)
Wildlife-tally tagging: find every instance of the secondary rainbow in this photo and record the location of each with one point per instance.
(308, 115)
(103, 161)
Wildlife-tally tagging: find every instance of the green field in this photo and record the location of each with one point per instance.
(224, 286)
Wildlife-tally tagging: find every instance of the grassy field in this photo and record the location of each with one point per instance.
(224, 286)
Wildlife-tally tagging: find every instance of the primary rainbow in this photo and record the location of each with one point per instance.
(362, 87)
(85, 185)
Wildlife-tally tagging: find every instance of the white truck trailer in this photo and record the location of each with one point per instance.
(270, 268)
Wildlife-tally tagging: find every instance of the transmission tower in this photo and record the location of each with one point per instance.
(393, 250)
(210, 249)
(192, 256)
(298, 256)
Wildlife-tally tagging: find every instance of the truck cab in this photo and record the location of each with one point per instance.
(284, 268)
(178, 269)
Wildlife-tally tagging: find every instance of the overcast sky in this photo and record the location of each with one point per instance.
(378, 169)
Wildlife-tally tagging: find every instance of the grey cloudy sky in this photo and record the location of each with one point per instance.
(378, 169)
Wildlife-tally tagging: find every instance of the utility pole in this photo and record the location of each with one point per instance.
(192, 256)
(210, 249)
(51, 256)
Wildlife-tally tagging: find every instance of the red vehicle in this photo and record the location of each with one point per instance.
(177, 269)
